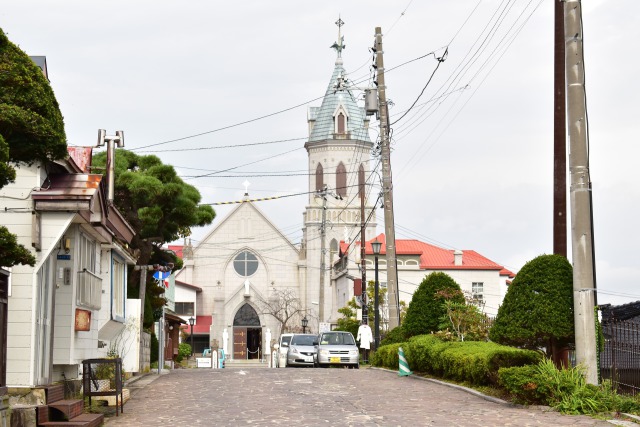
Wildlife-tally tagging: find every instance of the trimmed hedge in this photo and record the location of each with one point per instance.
(473, 361)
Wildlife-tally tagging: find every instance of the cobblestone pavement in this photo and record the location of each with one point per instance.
(317, 397)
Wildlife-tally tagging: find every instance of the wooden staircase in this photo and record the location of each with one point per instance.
(62, 412)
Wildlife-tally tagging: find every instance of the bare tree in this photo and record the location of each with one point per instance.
(282, 305)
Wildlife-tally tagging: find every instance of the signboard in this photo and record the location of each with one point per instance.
(324, 327)
(65, 257)
(203, 362)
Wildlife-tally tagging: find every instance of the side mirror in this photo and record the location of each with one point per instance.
(285, 344)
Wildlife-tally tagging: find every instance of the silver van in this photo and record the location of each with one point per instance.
(337, 348)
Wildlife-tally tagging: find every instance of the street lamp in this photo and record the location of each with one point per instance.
(191, 322)
(375, 246)
(305, 323)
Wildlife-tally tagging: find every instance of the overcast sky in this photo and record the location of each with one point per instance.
(472, 161)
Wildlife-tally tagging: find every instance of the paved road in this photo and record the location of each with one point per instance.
(317, 397)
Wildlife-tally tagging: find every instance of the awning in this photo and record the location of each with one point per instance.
(201, 327)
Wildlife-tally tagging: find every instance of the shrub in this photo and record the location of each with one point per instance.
(426, 308)
(520, 382)
(394, 336)
(386, 356)
(184, 350)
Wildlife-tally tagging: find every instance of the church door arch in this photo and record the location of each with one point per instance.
(247, 334)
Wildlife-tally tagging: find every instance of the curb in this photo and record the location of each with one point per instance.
(459, 387)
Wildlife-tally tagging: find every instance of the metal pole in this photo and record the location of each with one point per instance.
(387, 188)
(581, 227)
(192, 340)
(377, 308)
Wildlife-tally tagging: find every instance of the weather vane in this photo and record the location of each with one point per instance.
(339, 45)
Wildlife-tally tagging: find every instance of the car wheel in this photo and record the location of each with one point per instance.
(323, 365)
(356, 366)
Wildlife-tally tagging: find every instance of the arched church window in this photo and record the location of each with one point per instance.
(361, 190)
(245, 264)
(341, 180)
(333, 251)
(246, 316)
(319, 177)
(341, 123)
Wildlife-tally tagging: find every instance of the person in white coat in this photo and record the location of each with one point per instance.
(365, 336)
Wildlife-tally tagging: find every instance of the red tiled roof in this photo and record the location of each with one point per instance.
(433, 257)
(177, 249)
(201, 327)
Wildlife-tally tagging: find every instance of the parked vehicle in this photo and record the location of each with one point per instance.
(283, 347)
(337, 348)
(301, 350)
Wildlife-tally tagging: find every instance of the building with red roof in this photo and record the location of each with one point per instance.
(483, 279)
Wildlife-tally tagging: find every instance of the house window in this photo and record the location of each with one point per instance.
(118, 283)
(185, 308)
(477, 290)
(245, 264)
(333, 251)
(89, 292)
(341, 180)
(319, 178)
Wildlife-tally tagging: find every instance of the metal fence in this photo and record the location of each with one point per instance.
(620, 360)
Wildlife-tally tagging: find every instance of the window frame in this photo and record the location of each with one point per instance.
(245, 262)
(118, 288)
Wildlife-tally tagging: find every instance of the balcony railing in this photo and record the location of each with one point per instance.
(89, 290)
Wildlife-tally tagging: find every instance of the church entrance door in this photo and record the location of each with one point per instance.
(247, 334)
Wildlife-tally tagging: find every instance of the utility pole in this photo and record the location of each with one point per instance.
(323, 233)
(581, 226)
(559, 136)
(363, 254)
(387, 188)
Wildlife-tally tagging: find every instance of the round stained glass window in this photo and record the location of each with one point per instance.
(245, 264)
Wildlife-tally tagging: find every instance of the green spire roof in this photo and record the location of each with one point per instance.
(338, 95)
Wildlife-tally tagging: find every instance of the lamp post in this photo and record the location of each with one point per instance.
(305, 323)
(191, 322)
(375, 246)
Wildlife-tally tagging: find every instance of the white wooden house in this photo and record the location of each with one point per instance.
(72, 303)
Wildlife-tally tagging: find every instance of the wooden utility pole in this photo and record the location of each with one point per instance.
(581, 226)
(559, 138)
(387, 188)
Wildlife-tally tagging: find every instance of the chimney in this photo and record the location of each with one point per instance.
(457, 257)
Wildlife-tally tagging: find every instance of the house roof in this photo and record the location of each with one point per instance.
(323, 128)
(201, 327)
(433, 257)
(620, 312)
(187, 285)
(77, 186)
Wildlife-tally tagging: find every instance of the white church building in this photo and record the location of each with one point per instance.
(246, 259)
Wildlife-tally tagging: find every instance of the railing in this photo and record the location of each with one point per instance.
(103, 377)
(89, 290)
(620, 360)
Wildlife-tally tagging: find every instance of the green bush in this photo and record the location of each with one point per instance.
(154, 349)
(394, 336)
(474, 361)
(184, 350)
(386, 356)
(564, 389)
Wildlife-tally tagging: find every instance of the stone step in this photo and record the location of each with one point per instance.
(65, 409)
(83, 420)
(243, 363)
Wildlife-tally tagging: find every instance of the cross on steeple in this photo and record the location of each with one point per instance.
(339, 45)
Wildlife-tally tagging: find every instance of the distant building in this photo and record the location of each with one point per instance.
(246, 259)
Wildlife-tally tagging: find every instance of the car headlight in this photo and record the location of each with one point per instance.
(353, 352)
(294, 350)
(324, 352)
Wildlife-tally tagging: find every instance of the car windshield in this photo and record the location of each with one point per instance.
(334, 338)
(302, 340)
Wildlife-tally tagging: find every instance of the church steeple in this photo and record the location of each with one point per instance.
(339, 117)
